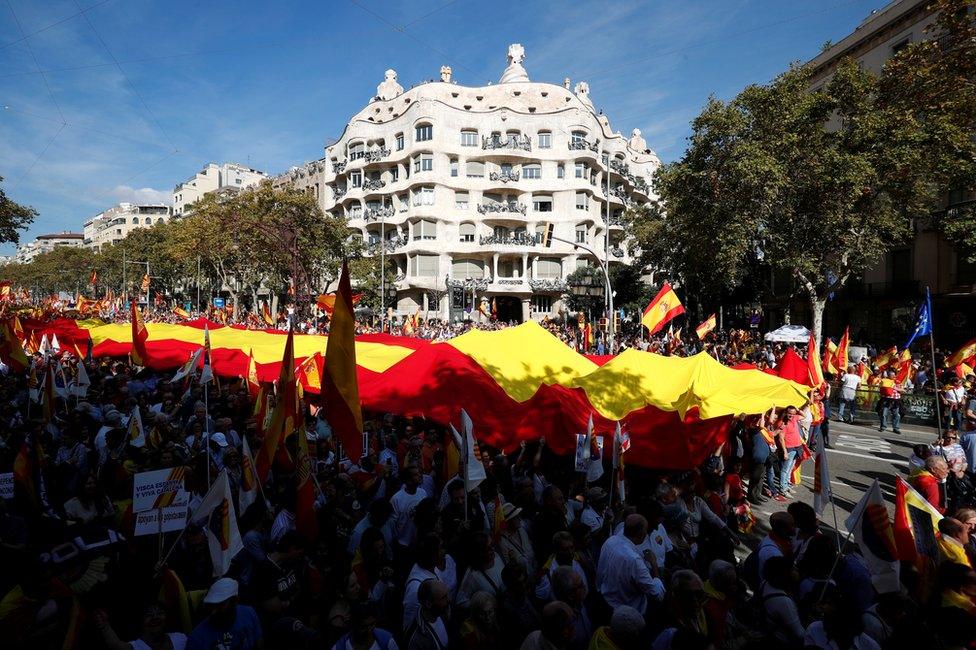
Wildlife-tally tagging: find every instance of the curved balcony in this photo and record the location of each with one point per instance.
(511, 142)
(618, 193)
(504, 176)
(375, 155)
(371, 185)
(468, 284)
(517, 239)
(338, 192)
(390, 245)
(501, 207)
(543, 284)
(580, 144)
(339, 167)
(378, 214)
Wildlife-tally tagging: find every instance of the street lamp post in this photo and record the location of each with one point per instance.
(611, 330)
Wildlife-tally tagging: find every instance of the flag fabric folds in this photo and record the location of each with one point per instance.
(136, 434)
(662, 309)
(248, 490)
(843, 348)
(821, 476)
(182, 313)
(813, 363)
(285, 417)
(340, 386)
(707, 326)
(916, 526)
(830, 358)
(218, 519)
(962, 355)
(206, 375)
(140, 335)
(923, 325)
(472, 468)
(871, 528)
(11, 351)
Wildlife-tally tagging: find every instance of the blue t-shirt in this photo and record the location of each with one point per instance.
(242, 634)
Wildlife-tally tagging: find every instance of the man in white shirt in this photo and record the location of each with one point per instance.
(849, 382)
(404, 503)
(432, 564)
(622, 575)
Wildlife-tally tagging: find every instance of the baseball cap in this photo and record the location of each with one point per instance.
(220, 591)
(220, 439)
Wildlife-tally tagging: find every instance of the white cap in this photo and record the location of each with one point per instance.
(220, 439)
(220, 591)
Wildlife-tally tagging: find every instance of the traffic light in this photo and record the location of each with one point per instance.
(546, 236)
(604, 323)
(616, 321)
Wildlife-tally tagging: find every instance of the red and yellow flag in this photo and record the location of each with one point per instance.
(182, 313)
(253, 385)
(285, 417)
(962, 355)
(916, 525)
(340, 388)
(11, 350)
(903, 367)
(843, 349)
(662, 309)
(94, 277)
(706, 327)
(145, 284)
(830, 357)
(266, 315)
(814, 368)
(140, 334)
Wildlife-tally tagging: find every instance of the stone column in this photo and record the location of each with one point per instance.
(526, 309)
(494, 262)
(525, 265)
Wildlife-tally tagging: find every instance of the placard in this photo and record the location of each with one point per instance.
(174, 518)
(7, 485)
(159, 489)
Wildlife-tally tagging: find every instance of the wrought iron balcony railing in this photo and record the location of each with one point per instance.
(522, 142)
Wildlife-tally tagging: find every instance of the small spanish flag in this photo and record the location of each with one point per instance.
(145, 283)
(140, 335)
(182, 313)
(814, 369)
(266, 315)
(840, 358)
(830, 357)
(340, 388)
(705, 327)
(662, 309)
(962, 355)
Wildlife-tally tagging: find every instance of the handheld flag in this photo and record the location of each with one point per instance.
(871, 527)
(830, 357)
(621, 443)
(11, 351)
(189, 367)
(813, 364)
(249, 487)
(253, 384)
(340, 386)
(923, 326)
(136, 434)
(916, 524)
(326, 302)
(140, 334)
(266, 315)
(285, 417)
(474, 469)
(206, 375)
(182, 313)
(145, 284)
(840, 359)
(706, 327)
(821, 476)
(962, 355)
(94, 278)
(82, 382)
(662, 309)
(218, 519)
(306, 521)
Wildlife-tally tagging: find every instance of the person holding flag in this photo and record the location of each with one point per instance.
(662, 309)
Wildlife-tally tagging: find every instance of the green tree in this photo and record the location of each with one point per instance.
(820, 184)
(13, 218)
(65, 268)
(591, 300)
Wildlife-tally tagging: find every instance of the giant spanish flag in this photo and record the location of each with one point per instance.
(11, 350)
(140, 335)
(340, 387)
(962, 355)
(663, 308)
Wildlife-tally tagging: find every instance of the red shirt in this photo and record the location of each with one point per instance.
(791, 434)
(736, 493)
(928, 486)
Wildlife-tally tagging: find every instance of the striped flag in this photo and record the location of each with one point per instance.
(814, 369)
(253, 385)
(340, 387)
(285, 417)
(871, 528)
(962, 355)
(136, 434)
(916, 524)
(621, 443)
(182, 313)
(249, 487)
(140, 335)
(843, 348)
(830, 357)
(706, 327)
(662, 309)
(266, 315)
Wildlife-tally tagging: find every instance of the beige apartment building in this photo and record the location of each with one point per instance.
(47, 243)
(211, 178)
(114, 224)
(456, 184)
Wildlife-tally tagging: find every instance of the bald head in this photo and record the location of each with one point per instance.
(782, 524)
(557, 623)
(937, 466)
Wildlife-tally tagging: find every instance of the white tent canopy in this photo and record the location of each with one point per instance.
(789, 334)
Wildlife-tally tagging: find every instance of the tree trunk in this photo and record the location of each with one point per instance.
(817, 306)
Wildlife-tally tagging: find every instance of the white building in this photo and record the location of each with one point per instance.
(459, 181)
(112, 225)
(211, 178)
(47, 243)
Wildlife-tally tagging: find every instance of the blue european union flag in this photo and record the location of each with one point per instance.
(924, 324)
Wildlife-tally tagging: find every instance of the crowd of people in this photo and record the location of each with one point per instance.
(536, 556)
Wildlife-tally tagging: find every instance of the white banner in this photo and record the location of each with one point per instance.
(174, 518)
(161, 488)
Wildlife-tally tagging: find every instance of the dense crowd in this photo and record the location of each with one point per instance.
(536, 556)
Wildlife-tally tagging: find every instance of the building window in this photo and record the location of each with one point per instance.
(500, 231)
(135, 221)
(357, 151)
(238, 181)
(542, 304)
(426, 163)
(580, 170)
(548, 269)
(581, 234)
(404, 203)
(454, 167)
(469, 138)
(582, 201)
(579, 137)
(561, 171)
(425, 265)
(463, 269)
(394, 174)
(542, 204)
(355, 211)
(424, 132)
(545, 140)
(475, 169)
(356, 179)
(424, 229)
(900, 45)
(467, 236)
(399, 142)
(461, 200)
(424, 196)
(532, 171)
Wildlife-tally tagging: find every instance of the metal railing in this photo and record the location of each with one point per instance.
(501, 206)
(522, 142)
(504, 176)
(520, 239)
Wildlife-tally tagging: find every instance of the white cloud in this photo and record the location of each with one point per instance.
(143, 195)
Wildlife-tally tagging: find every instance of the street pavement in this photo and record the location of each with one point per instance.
(860, 454)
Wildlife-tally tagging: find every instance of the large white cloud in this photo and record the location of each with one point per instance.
(142, 195)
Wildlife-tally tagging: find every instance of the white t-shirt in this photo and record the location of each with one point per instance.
(849, 383)
(178, 639)
(657, 541)
(404, 504)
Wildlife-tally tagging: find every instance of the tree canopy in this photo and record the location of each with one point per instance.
(14, 217)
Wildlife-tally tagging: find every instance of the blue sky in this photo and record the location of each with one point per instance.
(138, 95)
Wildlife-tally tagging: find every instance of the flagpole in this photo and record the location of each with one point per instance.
(206, 425)
(935, 372)
(464, 468)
